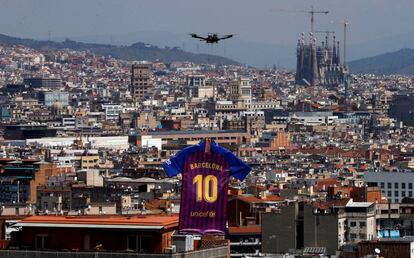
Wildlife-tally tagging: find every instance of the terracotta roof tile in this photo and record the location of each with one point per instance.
(106, 220)
(245, 230)
(269, 198)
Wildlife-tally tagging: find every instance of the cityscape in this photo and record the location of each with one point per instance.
(146, 150)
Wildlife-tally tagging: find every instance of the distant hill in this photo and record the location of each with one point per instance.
(248, 52)
(399, 62)
(137, 51)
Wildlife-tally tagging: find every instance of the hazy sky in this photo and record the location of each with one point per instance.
(250, 19)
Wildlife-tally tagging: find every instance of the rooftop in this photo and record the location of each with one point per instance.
(353, 204)
(245, 230)
(215, 132)
(253, 199)
(108, 222)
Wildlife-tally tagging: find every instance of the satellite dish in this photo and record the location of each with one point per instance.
(377, 251)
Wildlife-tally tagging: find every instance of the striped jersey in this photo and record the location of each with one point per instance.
(205, 179)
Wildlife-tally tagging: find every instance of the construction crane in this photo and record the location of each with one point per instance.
(312, 12)
(327, 32)
(345, 24)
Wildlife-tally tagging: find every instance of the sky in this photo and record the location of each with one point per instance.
(265, 21)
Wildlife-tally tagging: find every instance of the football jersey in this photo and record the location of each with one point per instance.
(205, 179)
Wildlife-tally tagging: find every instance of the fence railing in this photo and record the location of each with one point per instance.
(217, 252)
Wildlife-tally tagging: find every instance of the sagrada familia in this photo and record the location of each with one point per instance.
(319, 65)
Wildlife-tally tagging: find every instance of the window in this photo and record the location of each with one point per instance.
(389, 185)
(389, 193)
(396, 193)
(396, 185)
(410, 194)
(403, 185)
(362, 236)
(382, 185)
(353, 224)
(353, 236)
(133, 243)
(362, 224)
(139, 243)
(41, 241)
(410, 185)
(403, 194)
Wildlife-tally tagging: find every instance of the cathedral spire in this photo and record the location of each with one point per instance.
(338, 59)
(315, 72)
(333, 57)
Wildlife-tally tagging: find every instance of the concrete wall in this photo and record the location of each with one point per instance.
(320, 230)
(279, 231)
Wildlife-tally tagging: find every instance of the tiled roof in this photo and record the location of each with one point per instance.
(252, 199)
(245, 230)
(143, 222)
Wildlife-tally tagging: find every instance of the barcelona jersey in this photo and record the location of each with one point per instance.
(205, 179)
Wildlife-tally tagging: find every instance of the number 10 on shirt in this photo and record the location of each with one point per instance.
(210, 183)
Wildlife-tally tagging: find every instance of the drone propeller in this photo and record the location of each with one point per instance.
(227, 36)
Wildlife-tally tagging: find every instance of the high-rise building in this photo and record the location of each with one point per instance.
(395, 186)
(198, 87)
(50, 98)
(241, 92)
(142, 85)
(43, 82)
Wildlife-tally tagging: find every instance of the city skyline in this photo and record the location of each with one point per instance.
(264, 21)
(124, 135)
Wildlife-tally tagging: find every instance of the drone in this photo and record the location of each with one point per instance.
(211, 37)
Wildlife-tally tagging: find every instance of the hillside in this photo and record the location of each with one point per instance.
(137, 51)
(399, 62)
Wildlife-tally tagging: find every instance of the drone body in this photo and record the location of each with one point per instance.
(211, 37)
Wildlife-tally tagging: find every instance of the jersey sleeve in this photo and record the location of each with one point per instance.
(175, 165)
(237, 167)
